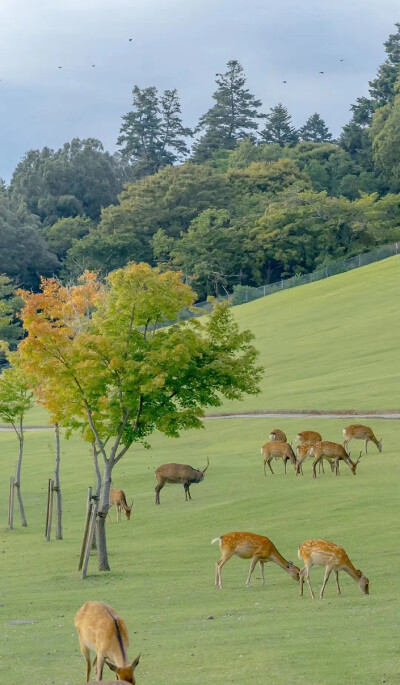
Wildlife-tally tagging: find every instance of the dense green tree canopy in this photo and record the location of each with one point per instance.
(315, 130)
(152, 135)
(234, 115)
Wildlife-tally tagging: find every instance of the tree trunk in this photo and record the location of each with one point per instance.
(102, 554)
(97, 491)
(18, 474)
(57, 483)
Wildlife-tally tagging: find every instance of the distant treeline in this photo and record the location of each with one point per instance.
(250, 201)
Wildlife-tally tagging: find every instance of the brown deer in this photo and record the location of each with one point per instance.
(308, 437)
(118, 498)
(102, 630)
(334, 558)
(178, 473)
(250, 546)
(359, 432)
(278, 450)
(277, 436)
(333, 452)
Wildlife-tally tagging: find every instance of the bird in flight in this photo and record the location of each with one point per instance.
(93, 65)
(341, 60)
(130, 40)
(283, 81)
(322, 72)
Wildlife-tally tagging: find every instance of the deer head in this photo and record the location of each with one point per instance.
(202, 472)
(128, 511)
(353, 464)
(125, 673)
(363, 583)
(379, 445)
(292, 570)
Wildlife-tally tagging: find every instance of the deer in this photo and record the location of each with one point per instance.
(309, 437)
(359, 432)
(302, 452)
(178, 473)
(278, 450)
(277, 436)
(334, 558)
(102, 630)
(251, 546)
(118, 498)
(334, 453)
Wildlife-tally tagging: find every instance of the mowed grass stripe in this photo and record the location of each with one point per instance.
(162, 578)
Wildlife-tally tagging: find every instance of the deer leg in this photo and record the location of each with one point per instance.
(326, 578)
(307, 574)
(284, 463)
(315, 462)
(187, 491)
(253, 564)
(262, 571)
(337, 582)
(366, 446)
(86, 653)
(301, 580)
(219, 565)
(269, 464)
(337, 467)
(118, 513)
(100, 666)
(157, 489)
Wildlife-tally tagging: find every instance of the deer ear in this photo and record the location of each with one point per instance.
(110, 665)
(135, 662)
(290, 563)
(359, 573)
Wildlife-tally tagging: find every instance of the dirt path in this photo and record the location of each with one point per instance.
(289, 414)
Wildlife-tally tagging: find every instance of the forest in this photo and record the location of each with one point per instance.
(243, 199)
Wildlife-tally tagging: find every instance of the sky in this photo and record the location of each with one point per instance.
(177, 44)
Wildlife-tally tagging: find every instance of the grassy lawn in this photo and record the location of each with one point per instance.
(163, 564)
(331, 344)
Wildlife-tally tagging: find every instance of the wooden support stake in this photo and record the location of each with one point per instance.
(86, 528)
(90, 539)
(50, 509)
(11, 504)
(47, 509)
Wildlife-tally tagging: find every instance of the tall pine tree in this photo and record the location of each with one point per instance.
(152, 136)
(233, 117)
(315, 130)
(278, 128)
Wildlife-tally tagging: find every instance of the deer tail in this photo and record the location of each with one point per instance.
(216, 540)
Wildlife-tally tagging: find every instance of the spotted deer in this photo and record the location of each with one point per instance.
(102, 630)
(118, 498)
(333, 558)
(359, 432)
(277, 436)
(251, 546)
(178, 473)
(278, 450)
(333, 452)
(308, 437)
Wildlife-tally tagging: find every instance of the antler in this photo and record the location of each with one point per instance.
(208, 464)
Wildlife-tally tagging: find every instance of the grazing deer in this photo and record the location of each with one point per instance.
(302, 452)
(309, 437)
(334, 558)
(250, 546)
(102, 630)
(277, 436)
(178, 473)
(278, 450)
(359, 432)
(118, 498)
(333, 452)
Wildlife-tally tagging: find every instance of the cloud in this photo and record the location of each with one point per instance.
(179, 43)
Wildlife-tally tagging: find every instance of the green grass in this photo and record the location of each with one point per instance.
(331, 344)
(163, 565)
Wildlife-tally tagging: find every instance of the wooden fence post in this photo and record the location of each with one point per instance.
(89, 506)
(49, 517)
(90, 539)
(11, 504)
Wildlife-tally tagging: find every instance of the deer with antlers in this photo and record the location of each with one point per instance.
(334, 558)
(334, 453)
(278, 450)
(118, 498)
(277, 436)
(302, 452)
(359, 432)
(178, 473)
(102, 630)
(251, 546)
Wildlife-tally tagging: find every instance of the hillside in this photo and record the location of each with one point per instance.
(330, 344)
